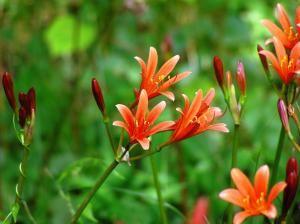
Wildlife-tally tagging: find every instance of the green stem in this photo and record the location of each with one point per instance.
(277, 156)
(20, 184)
(93, 191)
(158, 191)
(234, 162)
(109, 135)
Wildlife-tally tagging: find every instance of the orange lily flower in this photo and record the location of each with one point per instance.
(286, 66)
(286, 35)
(158, 83)
(197, 117)
(139, 127)
(253, 199)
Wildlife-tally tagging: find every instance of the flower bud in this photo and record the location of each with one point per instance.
(240, 78)
(9, 90)
(97, 92)
(283, 115)
(199, 215)
(263, 59)
(219, 72)
(292, 183)
(22, 116)
(31, 99)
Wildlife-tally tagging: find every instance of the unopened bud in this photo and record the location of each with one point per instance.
(22, 116)
(219, 72)
(229, 79)
(263, 59)
(200, 212)
(9, 90)
(292, 184)
(97, 92)
(283, 115)
(241, 78)
(31, 99)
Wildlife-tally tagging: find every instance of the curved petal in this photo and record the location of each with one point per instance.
(261, 180)
(209, 96)
(167, 67)
(142, 107)
(155, 112)
(276, 189)
(218, 127)
(298, 20)
(240, 217)
(186, 104)
(144, 143)
(242, 182)
(122, 125)
(174, 80)
(168, 94)
(295, 52)
(194, 108)
(279, 48)
(283, 17)
(233, 196)
(162, 126)
(143, 66)
(271, 213)
(126, 114)
(276, 31)
(152, 62)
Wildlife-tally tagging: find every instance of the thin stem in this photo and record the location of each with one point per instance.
(109, 135)
(234, 162)
(277, 156)
(28, 212)
(22, 176)
(163, 215)
(93, 191)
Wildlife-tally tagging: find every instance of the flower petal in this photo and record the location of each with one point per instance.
(155, 112)
(209, 96)
(143, 66)
(126, 114)
(218, 127)
(167, 67)
(240, 217)
(168, 94)
(174, 80)
(142, 107)
(283, 17)
(242, 182)
(144, 143)
(276, 31)
(271, 213)
(162, 126)
(276, 189)
(295, 52)
(233, 196)
(261, 180)
(152, 62)
(274, 62)
(122, 125)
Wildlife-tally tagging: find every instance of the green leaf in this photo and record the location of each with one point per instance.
(15, 210)
(67, 35)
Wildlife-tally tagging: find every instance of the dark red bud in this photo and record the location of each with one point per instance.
(166, 45)
(219, 72)
(292, 166)
(263, 59)
(241, 78)
(289, 192)
(24, 102)
(22, 116)
(9, 90)
(283, 115)
(97, 92)
(31, 99)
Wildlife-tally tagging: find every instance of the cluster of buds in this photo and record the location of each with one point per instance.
(138, 121)
(292, 183)
(285, 61)
(234, 103)
(25, 114)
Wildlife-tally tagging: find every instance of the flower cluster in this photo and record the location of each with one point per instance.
(26, 112)
(138, 121)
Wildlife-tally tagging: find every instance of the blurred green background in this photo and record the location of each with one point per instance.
(58, 46)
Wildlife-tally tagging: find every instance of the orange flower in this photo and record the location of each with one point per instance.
(286, 35)
(139, 127)
(158, 83)
(197, 117)
(286, 66)
(253, 199)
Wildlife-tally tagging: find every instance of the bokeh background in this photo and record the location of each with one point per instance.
(58, 46)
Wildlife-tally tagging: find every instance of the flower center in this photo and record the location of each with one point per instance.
(290, 34)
